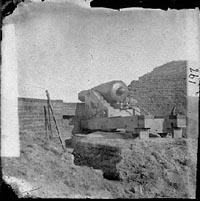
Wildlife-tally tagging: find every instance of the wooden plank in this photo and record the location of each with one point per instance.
(51, 109)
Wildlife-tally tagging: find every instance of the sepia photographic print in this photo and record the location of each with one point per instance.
(99, 102)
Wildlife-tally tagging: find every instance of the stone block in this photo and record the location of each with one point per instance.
(177, 133)
(144, 134)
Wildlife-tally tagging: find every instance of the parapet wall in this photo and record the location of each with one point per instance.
(163, 88)
(32, 116)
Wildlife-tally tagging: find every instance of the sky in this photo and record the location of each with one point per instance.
(66, 48)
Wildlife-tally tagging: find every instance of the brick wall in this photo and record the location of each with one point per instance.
(32, 116)
(70, 108)
(158, 91)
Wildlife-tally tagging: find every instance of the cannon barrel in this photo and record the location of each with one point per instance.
(113, 92)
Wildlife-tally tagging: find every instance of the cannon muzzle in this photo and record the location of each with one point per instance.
(113, 92)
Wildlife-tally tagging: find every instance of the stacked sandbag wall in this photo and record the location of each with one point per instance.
(162, 89)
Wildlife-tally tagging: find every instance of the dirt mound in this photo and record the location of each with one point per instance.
(136, 169)
(151, 168)
(44, 170)
(160, 168)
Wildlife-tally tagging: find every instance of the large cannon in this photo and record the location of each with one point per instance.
(106, 100)
(114, 92)
(107, 107)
